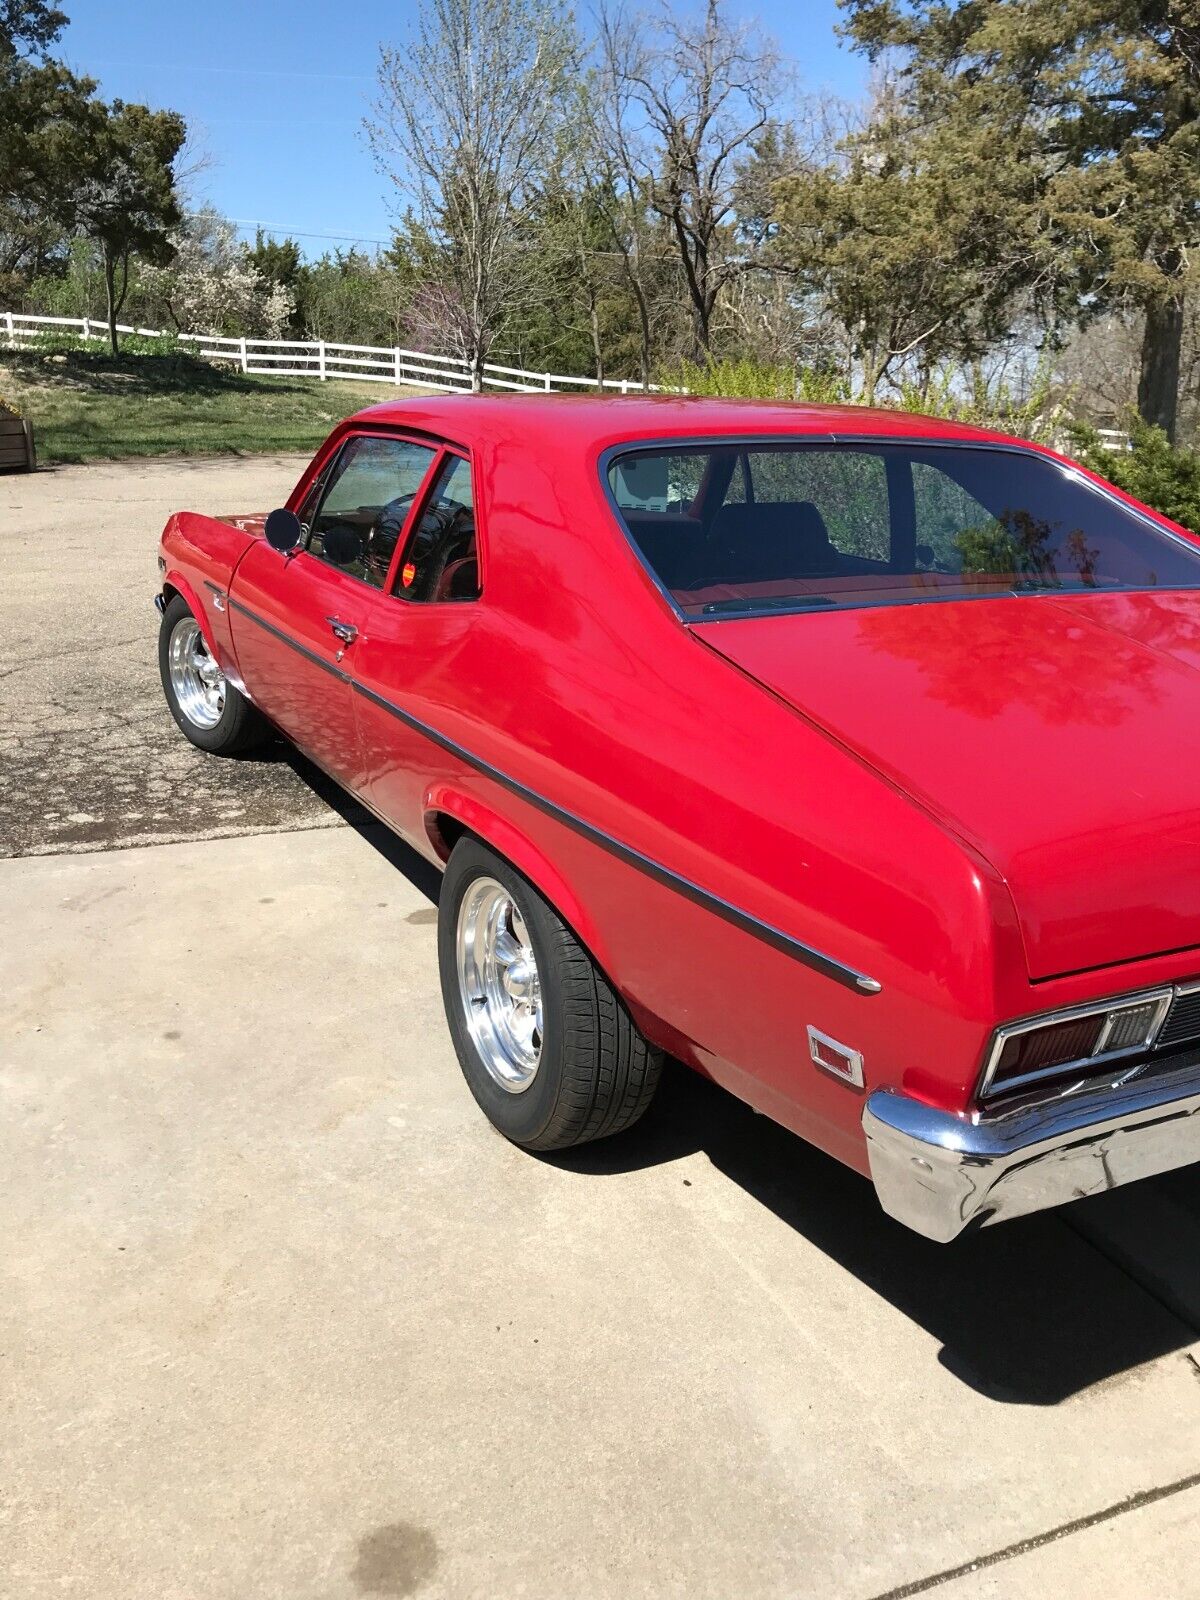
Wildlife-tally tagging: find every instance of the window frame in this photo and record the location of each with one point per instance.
(446, 452)
(819, 440)
(316, 478)
(321, 481)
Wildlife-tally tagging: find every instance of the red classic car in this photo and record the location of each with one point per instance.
(850, 757)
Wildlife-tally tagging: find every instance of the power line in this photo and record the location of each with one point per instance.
(302, 233)
(248, 72)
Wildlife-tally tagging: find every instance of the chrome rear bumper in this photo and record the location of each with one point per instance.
(939, 1172)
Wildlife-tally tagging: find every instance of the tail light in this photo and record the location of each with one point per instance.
(1079, 1041)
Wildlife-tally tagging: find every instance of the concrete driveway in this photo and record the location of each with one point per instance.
(280, 1315)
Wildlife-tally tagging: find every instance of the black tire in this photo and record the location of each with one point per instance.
(239, 727)
(595, 1074)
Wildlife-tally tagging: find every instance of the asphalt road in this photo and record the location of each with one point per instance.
(281, 1317)
(89, 756)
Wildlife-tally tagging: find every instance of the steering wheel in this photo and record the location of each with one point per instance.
(384, 533)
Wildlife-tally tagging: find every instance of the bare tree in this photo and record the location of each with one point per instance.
(620, 157)
(694, 96)
(464, 113)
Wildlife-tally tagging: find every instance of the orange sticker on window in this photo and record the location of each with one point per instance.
(407, 573)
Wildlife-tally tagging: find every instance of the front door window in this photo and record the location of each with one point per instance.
(369, 492)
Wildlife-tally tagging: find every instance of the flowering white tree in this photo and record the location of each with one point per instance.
(211, 287)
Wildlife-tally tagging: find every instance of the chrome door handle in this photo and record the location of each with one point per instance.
(346, 631)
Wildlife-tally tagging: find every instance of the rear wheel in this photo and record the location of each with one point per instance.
(547, 1047)
(213, 714)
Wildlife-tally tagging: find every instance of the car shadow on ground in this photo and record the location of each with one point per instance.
(1030, 1312)
(423, 876)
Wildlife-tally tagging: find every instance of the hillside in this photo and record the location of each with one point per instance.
(86, 406)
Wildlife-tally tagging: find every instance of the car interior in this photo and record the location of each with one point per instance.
(732, 529)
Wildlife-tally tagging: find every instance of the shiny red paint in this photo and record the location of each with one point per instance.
(989, 807)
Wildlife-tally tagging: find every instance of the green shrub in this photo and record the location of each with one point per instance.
(1152, 470)
(752, 380)
(966, 395)
(62, 342)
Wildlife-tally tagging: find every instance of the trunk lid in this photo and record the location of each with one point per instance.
(1059, 735)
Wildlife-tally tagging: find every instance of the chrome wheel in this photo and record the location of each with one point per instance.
(197, 681)
(498, 984)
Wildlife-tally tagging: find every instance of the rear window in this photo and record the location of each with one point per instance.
(743, 528)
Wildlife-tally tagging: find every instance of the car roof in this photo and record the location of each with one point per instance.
(589, 421)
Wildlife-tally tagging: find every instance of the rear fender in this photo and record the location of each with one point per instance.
(510, 840)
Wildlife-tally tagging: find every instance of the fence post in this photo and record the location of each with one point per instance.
(624, 385)
(321, 359)
(547, 383)
(397, 366)
(8, 325)
(245, 365)
(87, 327)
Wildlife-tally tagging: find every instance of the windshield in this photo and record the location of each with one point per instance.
(739, 528)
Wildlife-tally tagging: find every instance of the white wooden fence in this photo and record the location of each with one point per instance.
(319, 358)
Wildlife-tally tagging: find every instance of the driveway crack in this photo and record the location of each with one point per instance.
(1135, 1502)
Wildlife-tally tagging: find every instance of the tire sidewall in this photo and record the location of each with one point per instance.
(522, 1117)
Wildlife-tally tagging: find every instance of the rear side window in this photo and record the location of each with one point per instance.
(370, 490)
(442, 558)
(739, 528)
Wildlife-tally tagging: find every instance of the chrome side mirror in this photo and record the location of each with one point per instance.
(282, 530)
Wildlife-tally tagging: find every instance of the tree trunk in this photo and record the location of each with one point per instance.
(597, 347)
(1158, 381)
(110, 299)
(644, 330)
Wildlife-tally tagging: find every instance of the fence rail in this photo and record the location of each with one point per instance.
(320, 358)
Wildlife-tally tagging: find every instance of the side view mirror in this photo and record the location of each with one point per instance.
(282, 530)
(341, 544)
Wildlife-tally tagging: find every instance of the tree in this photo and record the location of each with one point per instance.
(464, 115)
(126, 202)
(611, 148)
(28, 27)
(694, 97)
(279, 264)
(213, 285)
(1101, 102)
(45, 119)
(916, 239)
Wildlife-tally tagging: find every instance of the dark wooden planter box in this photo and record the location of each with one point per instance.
(16, 444)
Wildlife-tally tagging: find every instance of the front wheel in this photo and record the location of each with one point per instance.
(211, 713)
(547, 1047)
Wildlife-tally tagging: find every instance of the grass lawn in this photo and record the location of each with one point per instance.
(86, 407)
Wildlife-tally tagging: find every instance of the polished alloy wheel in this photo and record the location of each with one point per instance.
(498, 984)
(196, 680)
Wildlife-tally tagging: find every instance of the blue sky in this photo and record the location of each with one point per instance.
(277, 94)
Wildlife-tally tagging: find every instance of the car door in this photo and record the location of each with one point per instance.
(298, 616)
(419, 656)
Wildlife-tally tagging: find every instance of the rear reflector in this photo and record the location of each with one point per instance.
(836, 1058)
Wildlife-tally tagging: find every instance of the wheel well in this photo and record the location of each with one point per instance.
(169, 593)
(444, 832)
